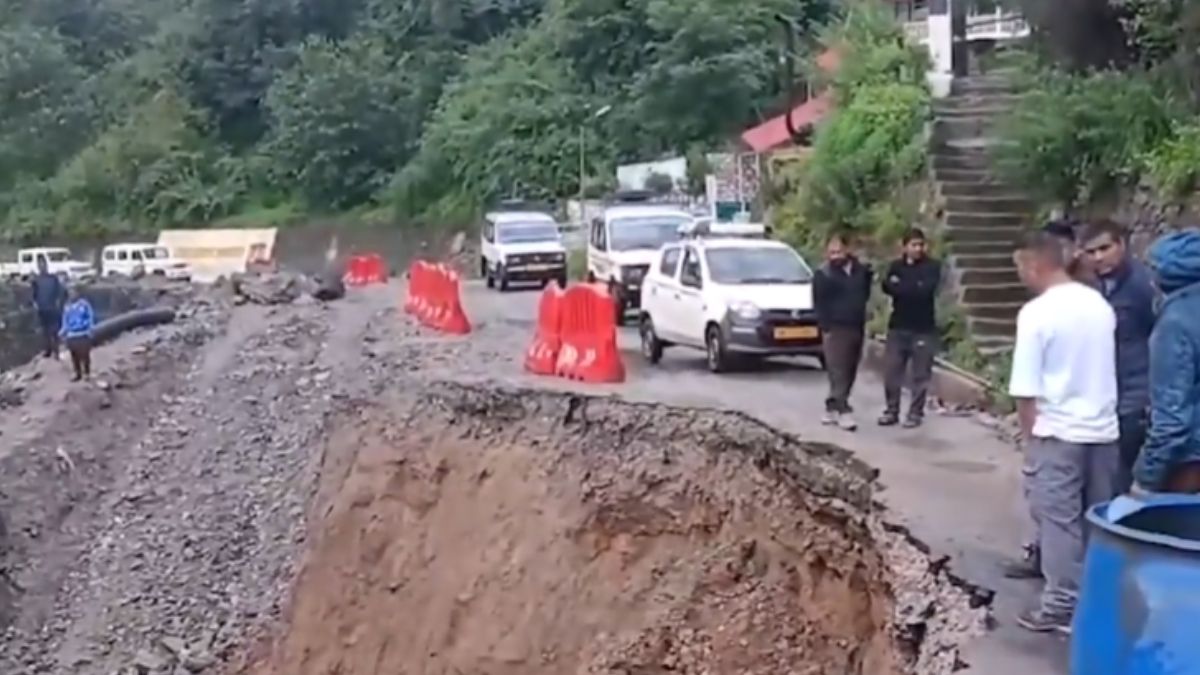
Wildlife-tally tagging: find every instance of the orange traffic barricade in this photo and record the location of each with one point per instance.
(434, 296)
(542, 355)
(589, 336)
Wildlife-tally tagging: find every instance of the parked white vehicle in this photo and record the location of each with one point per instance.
(625, 242)
(730, 297)
(58, 261)
(521, 246)
(136, 259)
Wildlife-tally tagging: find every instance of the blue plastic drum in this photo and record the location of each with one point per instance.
(1139, 606)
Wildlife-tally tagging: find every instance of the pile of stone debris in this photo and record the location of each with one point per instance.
(284, 288)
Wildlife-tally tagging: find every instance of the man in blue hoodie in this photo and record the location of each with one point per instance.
(1170, 459)
(1129, 288)
(48, 298)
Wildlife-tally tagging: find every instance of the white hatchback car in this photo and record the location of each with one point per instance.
(730, 297)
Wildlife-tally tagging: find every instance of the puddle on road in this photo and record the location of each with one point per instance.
(477, 530)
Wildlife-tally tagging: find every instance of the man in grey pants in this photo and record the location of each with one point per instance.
(912, 341)
(1065, 383)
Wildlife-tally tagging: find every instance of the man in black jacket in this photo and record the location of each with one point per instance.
(48, 295)
(912, 282)
(841, 288)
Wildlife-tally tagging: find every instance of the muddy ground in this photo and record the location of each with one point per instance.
(328, 489)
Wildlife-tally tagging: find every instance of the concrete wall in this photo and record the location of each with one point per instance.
(20, 339)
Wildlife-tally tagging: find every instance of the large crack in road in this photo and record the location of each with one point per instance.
(327, 488)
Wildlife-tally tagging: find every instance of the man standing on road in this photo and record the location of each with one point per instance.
(1129, 288)
(1065, 383)
(912, 281)
(841, 288)
(1170, 460)
(49, 296)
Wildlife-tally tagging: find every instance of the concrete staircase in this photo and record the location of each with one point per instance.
(983, 217)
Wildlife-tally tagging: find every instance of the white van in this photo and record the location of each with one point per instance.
(625, 242)
(518, 246)
(131, 260)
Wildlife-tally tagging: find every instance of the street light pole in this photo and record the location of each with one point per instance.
(583, 156)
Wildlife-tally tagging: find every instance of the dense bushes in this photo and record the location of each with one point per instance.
(1074, 138)
(872, 146)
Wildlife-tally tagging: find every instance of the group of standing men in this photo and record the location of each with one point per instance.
(1105, 375)
(841, 290)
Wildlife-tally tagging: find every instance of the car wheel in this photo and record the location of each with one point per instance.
(715, 352)
(652, 347)
(821, 361)
(562, 281)
(483, 268)
(501, 278)
(618, 304)
(488, 278)
(590, 277)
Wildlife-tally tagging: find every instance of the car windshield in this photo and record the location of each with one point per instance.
(756, 266)
(527, 233)
(650, 232)
(156, 253)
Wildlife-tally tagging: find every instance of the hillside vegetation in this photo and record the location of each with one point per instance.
(124, 114)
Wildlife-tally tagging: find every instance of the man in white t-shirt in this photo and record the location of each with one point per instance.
(1065, 383)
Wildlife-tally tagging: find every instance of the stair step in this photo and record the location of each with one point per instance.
(987, 204)
(998, 235)
(954, 175)
(999, 293)
(971, 109)
(991, 190)
(954, 129)
(982, 84)
(949, 157)
(993, 345)
(993, 310)
(986, 219)
(1002, 101)
(983, 248)
(993, 327)
(989, 277)
(985, 261)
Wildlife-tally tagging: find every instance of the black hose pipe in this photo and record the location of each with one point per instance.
(109, 329)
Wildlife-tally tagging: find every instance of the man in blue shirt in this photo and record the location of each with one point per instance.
(48, 296)
(1129, 288)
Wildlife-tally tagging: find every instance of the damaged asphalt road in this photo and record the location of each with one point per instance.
(156, 518)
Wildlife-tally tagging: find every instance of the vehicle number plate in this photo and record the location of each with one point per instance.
(796, 333)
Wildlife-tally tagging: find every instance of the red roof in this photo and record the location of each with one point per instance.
(774, 134)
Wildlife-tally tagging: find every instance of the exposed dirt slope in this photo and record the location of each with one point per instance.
(483, 532)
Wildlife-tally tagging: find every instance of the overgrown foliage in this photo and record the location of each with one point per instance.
(872, 145)
(1113, 102)
(131, 113)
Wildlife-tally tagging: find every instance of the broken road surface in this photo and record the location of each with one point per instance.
(171, 514)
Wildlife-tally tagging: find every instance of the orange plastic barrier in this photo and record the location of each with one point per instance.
(589, 336)
(542, 356)
(365, 269)
(434, 297)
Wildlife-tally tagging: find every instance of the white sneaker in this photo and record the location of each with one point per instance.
(829, 419)
(846, 422)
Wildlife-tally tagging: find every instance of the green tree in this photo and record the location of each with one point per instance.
(342, 118)
(45, 113)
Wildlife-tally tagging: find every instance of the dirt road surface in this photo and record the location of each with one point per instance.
(159, 519)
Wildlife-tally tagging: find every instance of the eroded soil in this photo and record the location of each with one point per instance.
(502, 532)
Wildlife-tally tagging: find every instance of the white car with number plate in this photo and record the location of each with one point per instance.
(729, 297)
(625, 242)
(518, 246)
